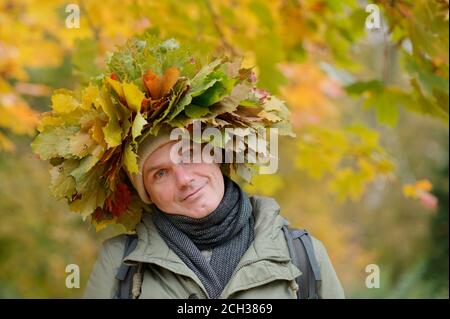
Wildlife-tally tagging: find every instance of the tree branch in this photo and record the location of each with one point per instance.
(215, 19)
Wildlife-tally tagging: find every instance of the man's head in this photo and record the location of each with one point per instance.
(190, 189)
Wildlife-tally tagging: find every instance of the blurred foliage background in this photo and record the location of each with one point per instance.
(367, 173)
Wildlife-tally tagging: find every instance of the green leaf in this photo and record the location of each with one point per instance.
(85, 165)
(179, 107)
(361, 87)
(54, 142)
(199, 84)
(218, 75)
(91, 179)
(200, 89)
(385, 106)
(62, 184)
(249, 103)
(195, 111)
(231, 102)
(146, 52)
(180, 121)
(215, 93)
(201, 75)
(87, 204)
(92, 191)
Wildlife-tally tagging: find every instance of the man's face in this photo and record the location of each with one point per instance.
(190, 189)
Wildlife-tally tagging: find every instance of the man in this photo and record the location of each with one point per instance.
(205, 238)
(198, 234)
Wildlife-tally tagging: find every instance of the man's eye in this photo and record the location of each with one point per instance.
(160, 173)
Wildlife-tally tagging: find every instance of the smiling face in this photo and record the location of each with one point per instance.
(189, 189)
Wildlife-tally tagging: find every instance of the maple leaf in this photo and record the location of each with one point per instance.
(153, 84)
(62, 184)
(64, 103)
(54, 142)
(130, 158)
(133, 96)
(117, 203)
(158, 86)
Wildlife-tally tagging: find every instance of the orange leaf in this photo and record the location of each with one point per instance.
(171, 76)
(153, 84)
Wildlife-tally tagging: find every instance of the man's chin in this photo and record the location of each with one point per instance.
(198, 211)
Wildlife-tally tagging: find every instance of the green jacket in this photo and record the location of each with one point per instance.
(265, 270)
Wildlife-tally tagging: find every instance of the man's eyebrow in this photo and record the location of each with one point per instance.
(152, 168)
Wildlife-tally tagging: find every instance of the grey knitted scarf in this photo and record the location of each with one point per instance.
(228, 231)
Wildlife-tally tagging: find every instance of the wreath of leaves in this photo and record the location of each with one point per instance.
(91, 137)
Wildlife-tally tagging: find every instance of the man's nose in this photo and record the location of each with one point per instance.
(183, 176)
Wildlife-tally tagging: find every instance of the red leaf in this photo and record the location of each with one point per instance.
(117, 203)
(145, 104)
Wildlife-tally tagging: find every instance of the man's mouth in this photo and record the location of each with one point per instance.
(194, 192)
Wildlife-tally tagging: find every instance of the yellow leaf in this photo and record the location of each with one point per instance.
(49, 121)
(64, 103)
(99, 225)
(97, 132)
(112, 131)
(138, 124)
(133, 96)
(130, 159)
(90, 97)
(117, 87)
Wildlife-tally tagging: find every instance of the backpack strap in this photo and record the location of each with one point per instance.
(302, 253)
(126, 272)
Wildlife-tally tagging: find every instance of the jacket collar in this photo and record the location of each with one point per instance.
(268, 246)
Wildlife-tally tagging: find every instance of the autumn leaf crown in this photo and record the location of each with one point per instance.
(91, 136)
